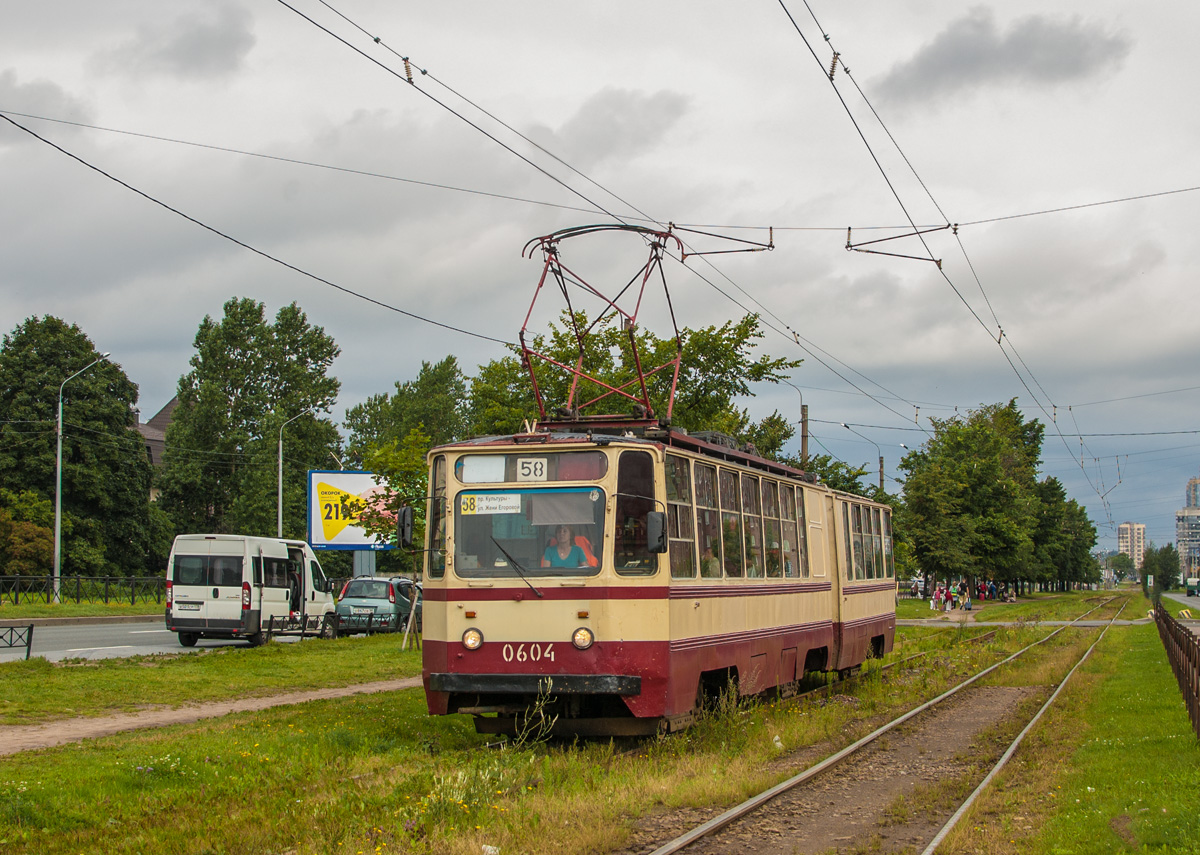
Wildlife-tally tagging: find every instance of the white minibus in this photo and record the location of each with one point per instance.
(230, 586)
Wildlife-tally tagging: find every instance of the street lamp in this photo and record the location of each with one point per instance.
(58, 479)
(874, 443)
(279, 503)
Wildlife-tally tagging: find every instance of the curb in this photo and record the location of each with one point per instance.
(69, 621)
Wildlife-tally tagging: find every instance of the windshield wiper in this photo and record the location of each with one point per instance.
(520, 570)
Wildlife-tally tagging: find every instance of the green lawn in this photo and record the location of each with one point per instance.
(36, 690)
(70, 610)
(1113, 767)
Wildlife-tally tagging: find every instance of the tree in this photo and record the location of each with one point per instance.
(1161, 562)
(717, 367)
(249, 378)
(400, 464)
(1063, 537)
(435, 402)
(105, 469)
(26, 534)
(971, 495)
(836, 474)
(1122, 566)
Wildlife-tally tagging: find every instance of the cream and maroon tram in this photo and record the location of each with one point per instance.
(618, 577)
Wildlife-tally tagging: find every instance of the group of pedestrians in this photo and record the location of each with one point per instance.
(958, 595)
(954, 595)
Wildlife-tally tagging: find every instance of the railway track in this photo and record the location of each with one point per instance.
(828, 804)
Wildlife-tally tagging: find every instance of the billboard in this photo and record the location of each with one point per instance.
(329, 525)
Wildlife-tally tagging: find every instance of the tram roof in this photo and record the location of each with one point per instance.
(661, 438)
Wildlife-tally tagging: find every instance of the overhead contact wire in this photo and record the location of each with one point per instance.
(1001, 337)
(247, 246)
(378, 40)
(452, 111)
(425, 73)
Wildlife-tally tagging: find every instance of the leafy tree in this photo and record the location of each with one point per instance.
(26, 534)
(400, 464)
(833, 473)
(250, 378)
(105, 469)
(1122, 566)
(971, 495)
(717, 367)
(435, 402)
(1063, 537)
(1161, 562)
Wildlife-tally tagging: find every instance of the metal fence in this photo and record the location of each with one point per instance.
(83, 589)
(17, 636)
(1183, 652)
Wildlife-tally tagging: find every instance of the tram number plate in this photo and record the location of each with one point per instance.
(528, 652)
(531, 469)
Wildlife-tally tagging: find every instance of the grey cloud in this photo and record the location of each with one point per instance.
(615, 123)
(1035, 51)
(39, 98)
(192, 46)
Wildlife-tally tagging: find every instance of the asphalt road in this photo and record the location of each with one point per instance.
(109, 640)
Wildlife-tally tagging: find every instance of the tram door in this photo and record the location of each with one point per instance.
(837, 562)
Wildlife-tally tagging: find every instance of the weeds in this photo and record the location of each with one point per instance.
(536, 726)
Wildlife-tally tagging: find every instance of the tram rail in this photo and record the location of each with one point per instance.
(755, 803)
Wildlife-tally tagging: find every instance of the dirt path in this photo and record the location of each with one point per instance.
(28, 737)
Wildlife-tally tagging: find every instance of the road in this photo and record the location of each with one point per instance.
(108, 640)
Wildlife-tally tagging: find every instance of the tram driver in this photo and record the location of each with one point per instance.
(565, 550)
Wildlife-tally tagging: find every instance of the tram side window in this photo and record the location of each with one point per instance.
(731, 523)
(680, 538)
(752, 520)
(635, 499)
(772, 535)
(802, 531)
(888, 558)
(708, 521)
(877, 544)
(874, 568)
(788, 545)
(436, 517)
(860, 564)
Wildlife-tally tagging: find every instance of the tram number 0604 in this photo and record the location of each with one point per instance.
(528, 652)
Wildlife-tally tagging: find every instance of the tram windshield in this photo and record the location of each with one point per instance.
(546, 531)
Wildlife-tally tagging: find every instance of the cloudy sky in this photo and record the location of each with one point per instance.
(1015, 122)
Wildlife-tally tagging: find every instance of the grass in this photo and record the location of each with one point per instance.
(376, 775)
(24, 610)
(36, 691)
(1113, 767)
(1174, 607)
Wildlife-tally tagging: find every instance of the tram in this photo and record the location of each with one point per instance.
(612, 579)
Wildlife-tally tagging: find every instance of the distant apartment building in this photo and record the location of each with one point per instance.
(1187, 531)
(1131, 540)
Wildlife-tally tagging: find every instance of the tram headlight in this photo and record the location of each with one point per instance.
(472, 639)
(582, 638)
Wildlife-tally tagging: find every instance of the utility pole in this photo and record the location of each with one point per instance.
(804, 432)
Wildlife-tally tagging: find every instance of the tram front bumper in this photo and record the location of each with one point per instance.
(533, 684)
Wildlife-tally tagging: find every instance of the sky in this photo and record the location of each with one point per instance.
(1052, 137)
